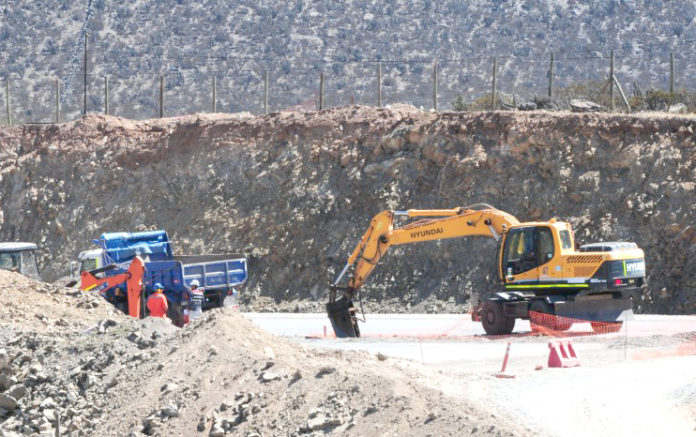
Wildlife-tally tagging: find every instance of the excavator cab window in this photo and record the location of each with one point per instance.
(545, 244)
(526, 249)
(565, 240)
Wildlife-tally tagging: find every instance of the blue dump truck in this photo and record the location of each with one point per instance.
(219, 275)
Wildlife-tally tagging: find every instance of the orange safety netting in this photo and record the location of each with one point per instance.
(646, 337)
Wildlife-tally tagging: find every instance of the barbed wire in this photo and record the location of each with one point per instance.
(296, 64)
(279, 63)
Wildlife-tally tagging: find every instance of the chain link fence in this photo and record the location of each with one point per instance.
(259, 86)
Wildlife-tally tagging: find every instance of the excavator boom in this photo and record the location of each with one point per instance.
(133, 278)
(431, 225)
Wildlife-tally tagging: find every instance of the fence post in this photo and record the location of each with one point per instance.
(551, 78)
(435, 85)
(57, 100)
(214, 94)
(7, 101)
(321, 91)
(58, 423)
(379, 85)
(265, 92)
(671, 77)
(495, 64)
(161, 97)
(611, 81)
(106, 95)
(84, 91)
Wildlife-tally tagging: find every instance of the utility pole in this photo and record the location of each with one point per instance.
(611, 80)
(321, 91)
(57, 100)
(551, 78)
(265, 92)
(495, 65)
(435, 85)
(214, 94)
(7, 101)
(84, 93)
(671, 77)
(379, 85)
(161, 97)
(106, 95)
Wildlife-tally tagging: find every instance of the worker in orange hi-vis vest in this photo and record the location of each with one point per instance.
(157, 303)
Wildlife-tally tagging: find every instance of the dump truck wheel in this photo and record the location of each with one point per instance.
(541, 317)
(494, 321)
(606, 327)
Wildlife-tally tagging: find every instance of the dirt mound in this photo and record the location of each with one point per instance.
(219, 375)
(296, 190)
(27, 304)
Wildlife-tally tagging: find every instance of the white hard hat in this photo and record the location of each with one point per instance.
(195, 282)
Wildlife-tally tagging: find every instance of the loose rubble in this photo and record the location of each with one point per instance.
(110, 375)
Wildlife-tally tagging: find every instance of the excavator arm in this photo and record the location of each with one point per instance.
(427, 225)
(133, 278)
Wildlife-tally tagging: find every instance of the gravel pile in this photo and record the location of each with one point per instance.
(111, 375)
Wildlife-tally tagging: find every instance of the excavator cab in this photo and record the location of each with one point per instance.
(525, 249)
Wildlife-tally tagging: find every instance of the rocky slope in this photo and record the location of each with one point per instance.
(109, 375)
(189, 44)
(295, 191)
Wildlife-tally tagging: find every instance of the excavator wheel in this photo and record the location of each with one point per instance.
(494, 321)
(542, 317)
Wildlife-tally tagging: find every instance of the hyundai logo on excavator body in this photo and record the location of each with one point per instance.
(634, 267)
(427, 233)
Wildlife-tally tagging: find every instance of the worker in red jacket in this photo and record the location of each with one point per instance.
(157, 303)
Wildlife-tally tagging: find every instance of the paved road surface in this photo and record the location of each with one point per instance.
(637, 382)
(454, 339)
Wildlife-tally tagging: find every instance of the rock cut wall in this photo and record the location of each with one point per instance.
(295, 191)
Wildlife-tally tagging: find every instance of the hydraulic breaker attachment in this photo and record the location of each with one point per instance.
(342, 314)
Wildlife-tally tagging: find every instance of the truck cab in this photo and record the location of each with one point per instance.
(87, 260)
(20, 258)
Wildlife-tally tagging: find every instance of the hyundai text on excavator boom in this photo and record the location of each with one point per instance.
(540, 271)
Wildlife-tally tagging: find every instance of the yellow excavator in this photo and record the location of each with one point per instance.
(540, 270)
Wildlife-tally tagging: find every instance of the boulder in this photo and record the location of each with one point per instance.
(170, 411)
(527, 106)
(582, 105)
(678, 108)
(8, 402)
(4, 359)
(216, 430)
(17, 391)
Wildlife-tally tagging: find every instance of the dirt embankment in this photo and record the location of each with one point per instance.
(68, 360)
(296, 190)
